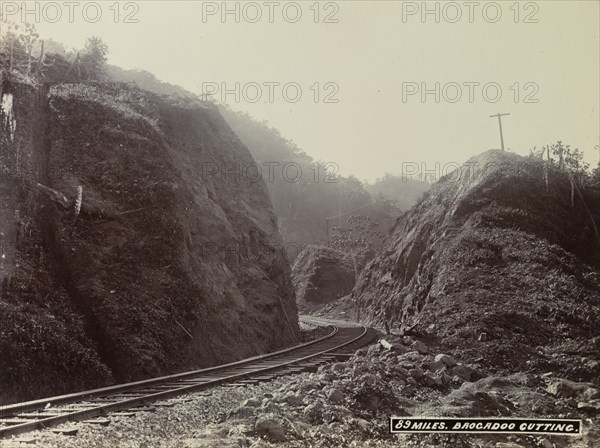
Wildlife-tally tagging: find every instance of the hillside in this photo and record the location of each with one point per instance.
(302, 198)
(303, 202)
(495, 267)
(163, 265)
(404, 192)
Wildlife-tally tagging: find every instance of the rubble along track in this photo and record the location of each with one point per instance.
(46, 412)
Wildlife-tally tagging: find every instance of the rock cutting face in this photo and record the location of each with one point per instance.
(174, 261)
(492, 263)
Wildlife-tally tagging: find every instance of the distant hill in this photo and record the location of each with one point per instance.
(146, 81)
(403, 191)
(304, 204)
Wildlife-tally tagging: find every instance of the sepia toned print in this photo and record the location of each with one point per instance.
(300, 224)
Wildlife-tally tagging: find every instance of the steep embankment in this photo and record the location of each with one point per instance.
(174, 262)
(493, 265)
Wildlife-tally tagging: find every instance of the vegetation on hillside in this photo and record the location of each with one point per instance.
(309, 197)
(403, 191)
(24, 55)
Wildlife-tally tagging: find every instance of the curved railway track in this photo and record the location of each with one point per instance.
(341, 340)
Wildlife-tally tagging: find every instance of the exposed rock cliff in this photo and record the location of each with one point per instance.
(173, 262)
(493, 264)
(321, 275)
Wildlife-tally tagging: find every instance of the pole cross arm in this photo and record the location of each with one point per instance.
(499, 115)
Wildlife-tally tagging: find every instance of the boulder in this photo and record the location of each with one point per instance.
(563, 388)
(338, 367)
(292, 399)
(251, 402)
(420, 347)
(416, 373)
(271, 427)
(314, 411)
(590, 406)
(335, 396)
(432, 380)
(446, 359)
(435, 366)
(462, 371)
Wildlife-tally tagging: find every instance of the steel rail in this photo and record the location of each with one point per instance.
(69, 398)
(115, 398)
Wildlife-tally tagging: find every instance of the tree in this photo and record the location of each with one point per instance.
(17, 45)
(93, 59)
(596, 172)
(571, 161)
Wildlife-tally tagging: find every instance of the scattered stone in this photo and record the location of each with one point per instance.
(592, 364)
(562, 388)
(385, 344)
(368, 378)
(358, 369)
(410, 357)
(270, 427)
(446, 359)
(338, 367)
(251, 403)
(420, 347)
(373, 350)
(98, 421)
(271, 407)
(590, 393)
(313, 411)
(432, 380)
(292, 399)
(457, 379)
(435, 366)
(361, 423)
(335, 396)
(27, 440)
(463, 372)
(591, 406)
(416, 373)
(70, 431)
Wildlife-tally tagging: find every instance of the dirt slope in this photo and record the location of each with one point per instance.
(174, 262)
(493, 265)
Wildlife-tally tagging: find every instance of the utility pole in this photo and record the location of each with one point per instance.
(499, 115)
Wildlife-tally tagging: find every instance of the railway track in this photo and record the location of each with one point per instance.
(341, 340)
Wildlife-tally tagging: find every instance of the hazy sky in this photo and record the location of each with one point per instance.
(377, 57)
